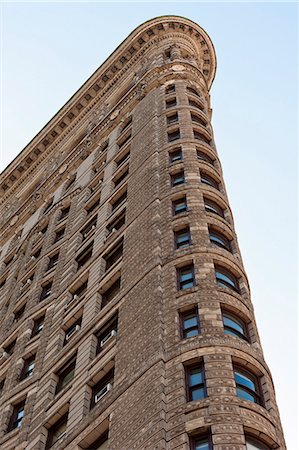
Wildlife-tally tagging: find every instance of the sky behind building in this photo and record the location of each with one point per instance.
(50, 49)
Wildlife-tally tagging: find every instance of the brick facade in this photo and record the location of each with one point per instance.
(93, 196)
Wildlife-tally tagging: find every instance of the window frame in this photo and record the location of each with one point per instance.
(189, 387)
(194, 440)
(229, 275)
(179, 175)
(47, 290)
(226, 244)
(234, 331)
(209, 180)
(26, 370)
(176, 151)
(181, 233)
(257, 393)
(14, 421)
(63, 372)
(53, 428)
(37, 322)
(213, 208)
(180, 283)
(184, 315)
(182, 200)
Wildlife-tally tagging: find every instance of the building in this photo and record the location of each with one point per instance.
(126, 320)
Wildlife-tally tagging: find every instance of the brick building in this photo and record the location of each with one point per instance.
(126, 320)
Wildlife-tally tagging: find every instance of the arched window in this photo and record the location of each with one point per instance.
(247, 385)
(234, 326)
(224, 278)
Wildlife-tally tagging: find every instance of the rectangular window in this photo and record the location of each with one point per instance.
(124, 140)
(64, 213)
(190, 323)
(84, 256)
(114, 255)
(89, 228)
(175, 155)
(17, 416)
(173, 118)
(2, 283)
(123, 159)
(36, 254)
(72, 330)
(57, 431)
(177, 179)
(117, 223)
(38, 326)
(107, 333)
(170, 88)
(196, 389)
(19, 313)
(53, 261)
(46, 291)
(119, 201)
(102, 387)
(110, 293)
(91, 208)
(28, 368)
(179, 205)
(121, 178)
(9, 349)
(59, 235)
(170, 102)
(186, 277)
(80, 291)
(201, 443)
(66, 374)
(174, 135)
(182, 238)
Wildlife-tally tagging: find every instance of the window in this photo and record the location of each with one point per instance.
(201, 443)
(19, 313)
(178, 178)
(66, 374)
(43, 230)
(170, 102)
(107, 333)
(64, 213)
(196, 383)
(89, 228)
(17, 416)
(210, 181)
(212, 207)
(185, 277)
(120, 178)
(114, 255)
(192, 91)
(173, 118)
(247, 386)
(84, 256)
(48, 206)
(201, 137)
(91, 208)
(36, 254)
(102, 387)
(127, 123)
(72, 330)
(28, 368)
(253, 444)
(182, 238)
(110, 293)
(195, 104)
(224, 278)
(57, 431)
(190, 323)
(175, 155)
(179, 205)
(46, 291)
(38, 326)
(117, 223)
(204, 157)
(53, 261)
(70, 183)
(119, 201)
(80, 291)
(174, 135)
(59, 235)
(10, 347)
(122, 159)
(100, 444)
(197, 119)
(2, 283)
(219, 239)
(124, 140)
(234, 326)
(170, 88)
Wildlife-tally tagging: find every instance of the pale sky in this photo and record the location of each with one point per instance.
(49, 49)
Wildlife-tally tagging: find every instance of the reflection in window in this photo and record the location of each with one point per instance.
(196, 383)
(234, 326)
(247, 386)
(186, 277)
(190, 323)
(224, 278)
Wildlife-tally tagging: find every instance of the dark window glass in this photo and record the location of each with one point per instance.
(204, 157)
(84, 256)
(38, 326)
(53, 261)
(219, 239)
(101, 443)
(57, 431)
(59, 235)
(197, 119)
(247, 386)
(2, 382)
(36, 254)
(202, 444)
(64, 213)
(10, 347)
(176, 155)
(190, 323)
(170, 103)
(28, 367)
(46, 291)
(169, 89)
(43, 230)
(2, 283)
(192, 91)
(70, 332)
(114, 255)
(121, 178)
(253, 444)
(186, 277)
(17, 416)
(107, 332)
(201, 137)
(177, 179)
(119, 201)
(102, 387)
(224, 278)
(234, 326)
(195, 104)
(213, 208)
(19, 313)
(174, 135)
(127, 124)
(91, 208)
(89, 228)
(110, 293)
(124, 140)
(117, 223)
(196, 383)
(123, 159)
(179, 205)
(182, 238)
(174, 118)
(210, 181)
(66, 374)
(81, 290)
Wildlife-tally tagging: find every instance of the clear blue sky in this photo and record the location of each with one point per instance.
(50, 49)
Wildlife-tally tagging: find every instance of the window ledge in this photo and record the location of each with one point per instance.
(186, 291)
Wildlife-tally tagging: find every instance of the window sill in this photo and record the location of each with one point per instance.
(186, 291)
